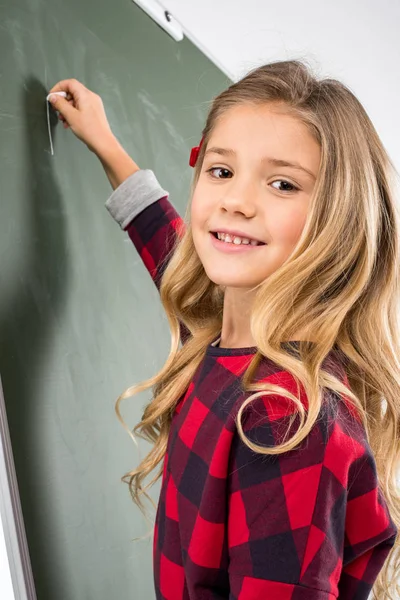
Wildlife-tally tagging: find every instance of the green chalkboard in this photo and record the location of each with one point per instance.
(80, 319)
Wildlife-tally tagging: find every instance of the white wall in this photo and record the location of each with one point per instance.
(355, 42)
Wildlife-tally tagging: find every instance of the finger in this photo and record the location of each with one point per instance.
(71, 86)
(63, 106)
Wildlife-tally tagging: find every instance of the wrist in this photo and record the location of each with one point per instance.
(106, 147)
(116, 162)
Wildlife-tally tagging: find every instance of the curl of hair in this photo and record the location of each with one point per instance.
(340, 286)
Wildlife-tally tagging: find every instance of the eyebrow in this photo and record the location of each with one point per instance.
(278, 162)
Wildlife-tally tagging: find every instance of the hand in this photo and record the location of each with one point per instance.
(83, 112)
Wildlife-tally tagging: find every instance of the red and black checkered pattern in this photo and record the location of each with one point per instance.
(309, 524)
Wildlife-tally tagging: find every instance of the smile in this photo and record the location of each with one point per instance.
(230, 247)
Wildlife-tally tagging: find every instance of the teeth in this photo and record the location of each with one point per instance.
(225, 237)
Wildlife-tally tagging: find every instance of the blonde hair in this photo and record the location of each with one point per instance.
(340, 285)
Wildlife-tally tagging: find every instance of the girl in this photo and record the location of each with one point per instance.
(276, 423)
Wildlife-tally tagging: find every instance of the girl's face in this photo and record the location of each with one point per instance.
(247, 190)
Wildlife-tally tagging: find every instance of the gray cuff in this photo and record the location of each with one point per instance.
(134, 194)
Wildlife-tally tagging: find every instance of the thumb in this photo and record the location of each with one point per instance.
(63, 106)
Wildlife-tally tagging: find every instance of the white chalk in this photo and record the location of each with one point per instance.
(63, 94)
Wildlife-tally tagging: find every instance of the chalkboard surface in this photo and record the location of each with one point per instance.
(80, 319)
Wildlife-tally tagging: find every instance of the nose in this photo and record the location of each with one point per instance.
(240, 196)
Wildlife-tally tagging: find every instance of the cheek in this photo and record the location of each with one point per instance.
(196, 219)
(288, 228)
(193, 212)
(199, 213)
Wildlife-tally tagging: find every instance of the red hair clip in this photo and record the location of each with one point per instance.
(195, 153)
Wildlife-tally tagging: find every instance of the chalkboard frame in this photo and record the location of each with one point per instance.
(13, 528)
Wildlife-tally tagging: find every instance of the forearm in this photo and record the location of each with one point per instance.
(117, 163)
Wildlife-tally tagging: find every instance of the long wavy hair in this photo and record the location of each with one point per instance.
(340, 286)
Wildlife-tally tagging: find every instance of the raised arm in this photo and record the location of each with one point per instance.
(139, 204)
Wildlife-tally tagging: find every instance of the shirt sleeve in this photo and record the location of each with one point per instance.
(310, 523)
(137, 192)
(142, 208)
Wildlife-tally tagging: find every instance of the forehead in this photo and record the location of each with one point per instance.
(265, 129)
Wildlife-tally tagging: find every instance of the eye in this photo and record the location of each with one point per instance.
(286, 183)
(218, 169)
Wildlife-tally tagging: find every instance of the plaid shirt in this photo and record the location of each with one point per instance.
(309, 524)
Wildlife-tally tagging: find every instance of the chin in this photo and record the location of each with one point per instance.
(233, 281)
